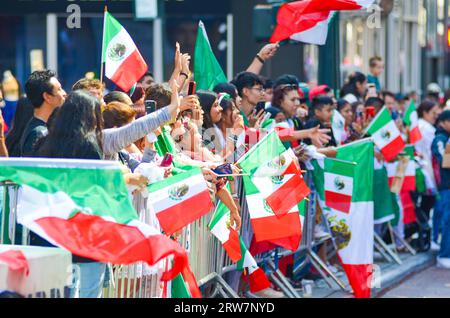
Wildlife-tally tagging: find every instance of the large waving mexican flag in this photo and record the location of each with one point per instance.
(124, 65)
(84, 207)
(353, 231)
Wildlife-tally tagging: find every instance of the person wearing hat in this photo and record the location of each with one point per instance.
(441, 217)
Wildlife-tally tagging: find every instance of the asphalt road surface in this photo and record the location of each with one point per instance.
(433, 282)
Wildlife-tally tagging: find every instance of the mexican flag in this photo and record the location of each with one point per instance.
(83, 206)
(353, 231)
(228, 236)
(257, 278)
(411, 119)
(276, 174)
(384, 201)
(207, 70)
(267, 226)
(386, 134)
(124, 65)
(409, 181)
(175, 200)
(338, 127)
(339, 184)
(308, 20)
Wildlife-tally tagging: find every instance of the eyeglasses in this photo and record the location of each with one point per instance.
(259, 89)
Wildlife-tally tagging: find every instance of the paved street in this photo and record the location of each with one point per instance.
(433, 282)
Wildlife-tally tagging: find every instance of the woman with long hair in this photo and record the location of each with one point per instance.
(23, 114)
(355, 87)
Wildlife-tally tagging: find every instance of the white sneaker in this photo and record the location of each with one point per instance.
(435, 247)
(320, 234)
(269, 293)
(443, 262)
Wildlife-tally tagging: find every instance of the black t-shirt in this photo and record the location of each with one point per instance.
(313, 122)
(35, 130)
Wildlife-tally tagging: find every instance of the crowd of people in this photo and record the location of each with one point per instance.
(210, 128)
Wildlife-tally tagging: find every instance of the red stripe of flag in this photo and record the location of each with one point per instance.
(109, 242)
(130, 71)
(233, 246)
(415, 135)
(391, 150)
(288, 195)
(337, 201)
(273, 228)
(187, 211)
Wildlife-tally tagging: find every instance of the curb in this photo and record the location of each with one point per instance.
(411, 266)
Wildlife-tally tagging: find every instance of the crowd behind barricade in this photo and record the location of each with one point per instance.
(167, 127)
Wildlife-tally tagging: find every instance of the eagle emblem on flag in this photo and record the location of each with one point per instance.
(177, 192)
(116, 51)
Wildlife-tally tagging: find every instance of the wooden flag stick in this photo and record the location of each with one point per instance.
(103, 43)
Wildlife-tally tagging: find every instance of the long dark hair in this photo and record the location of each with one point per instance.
(207, 99)
(350, 86)
(76, 131)
(23, 114)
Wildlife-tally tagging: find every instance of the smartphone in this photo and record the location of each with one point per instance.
(259, 106)
(371, 90)
(223, 169)
(192, 88)
(167, 160)
(370, 111)
(150, 106)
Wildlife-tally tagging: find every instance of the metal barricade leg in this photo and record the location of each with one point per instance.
(380, 241)
(283, 280)
(320, 266)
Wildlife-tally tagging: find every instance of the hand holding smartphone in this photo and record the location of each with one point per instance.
(192, 88)
(167, 160)
(150, 106)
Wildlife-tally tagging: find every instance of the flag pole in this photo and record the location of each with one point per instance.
(103, 43)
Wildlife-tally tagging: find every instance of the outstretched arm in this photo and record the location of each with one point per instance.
(266, 53)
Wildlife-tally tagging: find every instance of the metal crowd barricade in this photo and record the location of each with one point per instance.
(269, 259)
(9, 227)
(136, 280)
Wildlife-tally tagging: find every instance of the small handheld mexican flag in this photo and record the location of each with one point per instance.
(124, 65)
(257, 277)
(338, 126)
(83, 206)
(175, 200)
(228, 236)
(386, 134)
(339, 184)
(409, 175)
(411, 119)
(276, 174)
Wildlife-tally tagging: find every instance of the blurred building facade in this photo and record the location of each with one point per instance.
(411, 38)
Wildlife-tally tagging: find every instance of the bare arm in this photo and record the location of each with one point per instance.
(266, 53)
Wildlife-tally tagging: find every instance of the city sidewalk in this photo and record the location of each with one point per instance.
(390, 274)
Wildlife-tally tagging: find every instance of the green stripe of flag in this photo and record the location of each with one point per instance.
(409, 110)
(111, 28)
(100, 189)
(360, 152)
(174, 179)
(343, 168)
(382, 118)
(266, 149)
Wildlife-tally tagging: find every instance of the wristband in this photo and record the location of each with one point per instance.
(260, 58)
(183, 73)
